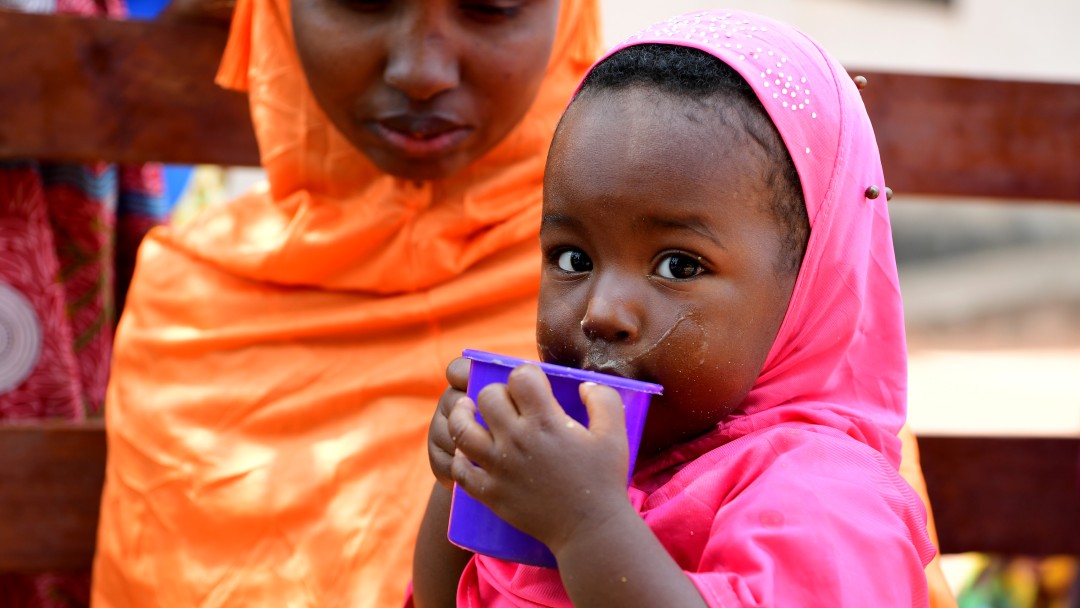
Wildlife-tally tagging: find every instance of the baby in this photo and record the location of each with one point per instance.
(714, 222)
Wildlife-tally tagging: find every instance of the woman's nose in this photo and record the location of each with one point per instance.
(611, 314)
(422, 61)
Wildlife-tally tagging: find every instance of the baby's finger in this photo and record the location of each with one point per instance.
(497, 408)
(440, 445)
(447, 400)
(473, 479)
(457, 373)
(439, 436)
(605, 408)
(470, 436)
(440, 462)
(531, 392)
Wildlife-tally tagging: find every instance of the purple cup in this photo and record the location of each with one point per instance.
(475, 527)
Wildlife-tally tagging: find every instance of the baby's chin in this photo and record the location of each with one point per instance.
(668, 425)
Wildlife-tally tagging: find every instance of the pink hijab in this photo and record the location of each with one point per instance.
(787, 509)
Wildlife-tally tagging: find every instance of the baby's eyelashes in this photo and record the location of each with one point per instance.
(679, 266)
(573, 260)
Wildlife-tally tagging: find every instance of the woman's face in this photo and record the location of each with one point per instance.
(424, 87)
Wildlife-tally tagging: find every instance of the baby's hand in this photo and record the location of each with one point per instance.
(440, 443)
(535, 466)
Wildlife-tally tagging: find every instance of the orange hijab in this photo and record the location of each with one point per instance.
(280, 356)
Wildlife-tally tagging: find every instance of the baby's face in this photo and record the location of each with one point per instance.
(660, 255)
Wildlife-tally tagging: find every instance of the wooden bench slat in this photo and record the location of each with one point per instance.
(972, 137)
(1006, 495)
(86, 89)
(1002, 495)
(82, 89)
(51, 477)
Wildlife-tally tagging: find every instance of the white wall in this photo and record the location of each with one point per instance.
(1022, 39)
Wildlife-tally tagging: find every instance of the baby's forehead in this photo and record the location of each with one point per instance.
(705, 121)
(684, 139)
(606, 153)
(805, 91)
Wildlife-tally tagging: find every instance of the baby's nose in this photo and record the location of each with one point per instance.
(612, 315)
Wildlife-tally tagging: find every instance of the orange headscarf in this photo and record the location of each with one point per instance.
(280, 357)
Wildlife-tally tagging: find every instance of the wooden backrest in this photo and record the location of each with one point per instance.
(87, 89)
(993, 494)
(51, 476)
(77, 89)
(1008, 495)
(80, 89)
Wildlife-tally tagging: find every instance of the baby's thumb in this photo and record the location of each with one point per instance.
(605, 409)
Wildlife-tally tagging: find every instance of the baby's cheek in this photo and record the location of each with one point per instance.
(545, 339)
(705, 373)
(557, 329)
(688, 351)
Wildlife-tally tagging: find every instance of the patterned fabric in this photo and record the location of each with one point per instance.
(68, 235)
(58, 226)
(53, 387)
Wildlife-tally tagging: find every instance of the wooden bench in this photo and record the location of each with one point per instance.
(85, 89)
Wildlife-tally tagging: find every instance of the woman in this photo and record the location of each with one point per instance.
(280, 356)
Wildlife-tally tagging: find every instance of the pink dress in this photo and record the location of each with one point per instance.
(794, 500)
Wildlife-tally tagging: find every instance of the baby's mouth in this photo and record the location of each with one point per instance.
(595, 359)
(605, 364)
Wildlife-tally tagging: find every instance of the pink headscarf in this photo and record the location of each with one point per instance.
(840, 358)
(800, 514)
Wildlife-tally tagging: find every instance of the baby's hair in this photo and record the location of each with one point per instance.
(699, 76)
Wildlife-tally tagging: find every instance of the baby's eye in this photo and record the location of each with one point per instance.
(679, 266)
(574, 260)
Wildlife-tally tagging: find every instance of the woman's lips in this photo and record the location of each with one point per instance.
(420, 136)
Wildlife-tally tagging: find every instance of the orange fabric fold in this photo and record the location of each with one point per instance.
(941, 595)
(280, 357)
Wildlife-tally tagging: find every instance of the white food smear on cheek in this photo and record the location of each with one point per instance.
(597, 360)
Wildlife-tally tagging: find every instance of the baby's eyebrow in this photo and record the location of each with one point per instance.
(552, 220)
(694, 224)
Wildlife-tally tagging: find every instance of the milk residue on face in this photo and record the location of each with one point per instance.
(623, 367)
